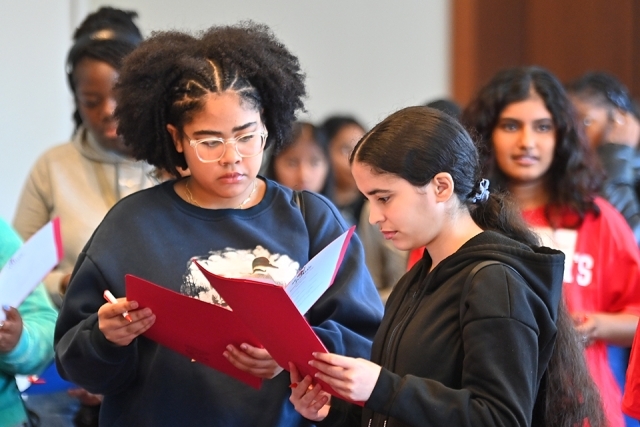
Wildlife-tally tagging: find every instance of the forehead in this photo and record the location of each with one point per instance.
(348, 135)
(532, 108)
(92, 74)
(588, 105)
(304, 146)
(222, 110)
(368, 179)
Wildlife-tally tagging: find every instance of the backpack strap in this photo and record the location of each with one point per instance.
(467, 282)
(540, 402)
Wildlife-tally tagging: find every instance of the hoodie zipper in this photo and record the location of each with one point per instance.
(398, 325)
(392, 337)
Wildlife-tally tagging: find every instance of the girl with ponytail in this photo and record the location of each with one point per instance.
(469, 331)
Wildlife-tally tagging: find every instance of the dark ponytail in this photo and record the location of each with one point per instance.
(569, 393)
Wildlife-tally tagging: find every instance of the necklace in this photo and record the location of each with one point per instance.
(189, 195)
(240, 206)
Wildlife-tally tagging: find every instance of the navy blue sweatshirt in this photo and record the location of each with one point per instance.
(156, 235)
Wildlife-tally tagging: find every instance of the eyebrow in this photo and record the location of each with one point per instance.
(218, 133)
(377, 191)
(511, 119)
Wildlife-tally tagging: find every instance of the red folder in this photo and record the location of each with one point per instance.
(194, 328)
(262, 315)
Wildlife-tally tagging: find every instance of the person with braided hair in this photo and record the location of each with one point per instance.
(532, 147)
(470, 334)
(208, 103)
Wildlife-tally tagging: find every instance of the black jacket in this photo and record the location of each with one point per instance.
(620, 186)
(483, 368)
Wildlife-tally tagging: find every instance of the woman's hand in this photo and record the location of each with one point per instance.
(254, 360)
(613, 328)
(119, 330)
(352, 378)
(309, 400)
(623, 128)
(10, 329)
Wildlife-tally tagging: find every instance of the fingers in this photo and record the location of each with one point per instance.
(262, 365)
(249, 356)
(12, 314)
(294, 375)
(119, 330)
(119, 308)
(255, 352)
(308, 400)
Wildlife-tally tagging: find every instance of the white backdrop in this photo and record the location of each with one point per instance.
(367, 58)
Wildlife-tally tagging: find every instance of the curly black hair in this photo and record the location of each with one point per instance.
(575, 177)
(166, 80)
(106, 35)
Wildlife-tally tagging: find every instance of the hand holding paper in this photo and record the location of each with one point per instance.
(261, 314)
(30, 264)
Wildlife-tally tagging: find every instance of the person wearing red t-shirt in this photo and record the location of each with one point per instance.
(533, 148)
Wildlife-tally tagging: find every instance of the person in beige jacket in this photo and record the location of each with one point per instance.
(79, 181)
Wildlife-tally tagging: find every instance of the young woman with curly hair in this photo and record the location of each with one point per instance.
(527, 132)
(208, 104)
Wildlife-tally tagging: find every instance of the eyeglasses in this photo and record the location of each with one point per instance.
(211, 150)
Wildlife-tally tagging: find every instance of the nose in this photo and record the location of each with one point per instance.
(305, 174)
(109, 108)
(527, 137)
(230, 155)
(375, 214)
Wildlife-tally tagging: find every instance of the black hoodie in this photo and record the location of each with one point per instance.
(481, 369)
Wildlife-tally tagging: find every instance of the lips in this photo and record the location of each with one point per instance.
(388, 235)
(231, 178)
(525, 160)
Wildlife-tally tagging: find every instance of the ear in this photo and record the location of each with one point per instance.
(443, 186)
(175, 135)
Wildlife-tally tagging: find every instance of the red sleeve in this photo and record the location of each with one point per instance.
(622, 262)
(631, 399)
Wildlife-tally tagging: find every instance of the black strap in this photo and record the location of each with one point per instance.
(539, 405)
(467, 283)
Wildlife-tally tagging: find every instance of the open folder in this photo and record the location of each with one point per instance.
(261, 314)
(30, 264)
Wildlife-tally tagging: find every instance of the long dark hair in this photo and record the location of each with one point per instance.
(574, 175)
(415, 144)
(570, 395)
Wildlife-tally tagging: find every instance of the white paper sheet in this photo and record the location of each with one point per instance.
(29, 265)
(315, 277)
